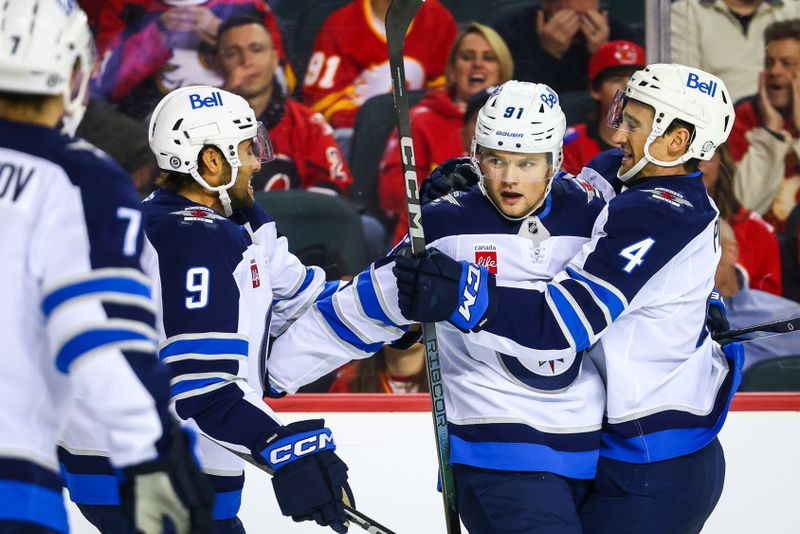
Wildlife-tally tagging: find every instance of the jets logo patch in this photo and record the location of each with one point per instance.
(587, 188)
(673, 198)
(199, 214)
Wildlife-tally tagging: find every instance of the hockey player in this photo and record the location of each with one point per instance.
(636, 297)
(226, 281)
(524, 424)
(75, 315)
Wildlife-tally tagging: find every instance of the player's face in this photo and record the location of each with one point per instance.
(247, 60)
(781, 66)
(514, 182)
(242, 194)
(637, 122)
(475, 67)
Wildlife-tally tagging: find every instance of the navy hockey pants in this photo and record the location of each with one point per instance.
(508, 502)
(671, 497)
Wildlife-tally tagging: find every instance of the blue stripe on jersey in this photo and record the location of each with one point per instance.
(90, 340)
(227, 495)
(306, 282)
(369, 300)
(523, 457)
(190, 385)
(613, 303)
(117, 284)
(92, 488)
(208, 345)
(672, 433)
(342, 331)
(23, 501)
(570, 317)
(584, 299)
(329, 289)
(541, 381)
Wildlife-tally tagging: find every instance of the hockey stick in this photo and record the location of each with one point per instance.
(398, 20)
(362, 520)
(759, 331)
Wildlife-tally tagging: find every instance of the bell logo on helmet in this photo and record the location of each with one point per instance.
(709, 88)
(198, 101)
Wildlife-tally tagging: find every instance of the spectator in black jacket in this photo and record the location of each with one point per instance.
(552, 44)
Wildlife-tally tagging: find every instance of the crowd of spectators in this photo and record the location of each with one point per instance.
(146, 48)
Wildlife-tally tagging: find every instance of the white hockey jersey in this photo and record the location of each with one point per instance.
(509, 407)
(75, 316)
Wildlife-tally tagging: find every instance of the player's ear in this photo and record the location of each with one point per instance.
(679, 140)
(212, 162)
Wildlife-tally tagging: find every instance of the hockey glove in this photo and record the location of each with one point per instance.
(455, 174)
(435, 287)
(717, 314)
(172, 488)
(310, 480)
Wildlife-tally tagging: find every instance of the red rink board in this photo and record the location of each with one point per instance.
(379, 402)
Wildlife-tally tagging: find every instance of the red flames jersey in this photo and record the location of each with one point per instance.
(759, 253)
(350, 62)
(303, 144)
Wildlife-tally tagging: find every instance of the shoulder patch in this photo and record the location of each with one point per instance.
(668, 196)
(199, 214)
(586, 187)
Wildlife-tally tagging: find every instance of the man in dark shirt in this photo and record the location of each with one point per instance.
(552, 43)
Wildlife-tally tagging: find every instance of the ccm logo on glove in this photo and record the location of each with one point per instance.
(286, 450)
(470, 294)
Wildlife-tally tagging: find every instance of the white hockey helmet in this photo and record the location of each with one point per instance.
(520, 117)
(44, 41)
(678, 92)
(192, 117)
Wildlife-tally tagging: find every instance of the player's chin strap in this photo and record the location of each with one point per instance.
(636, 169)
(221, 190)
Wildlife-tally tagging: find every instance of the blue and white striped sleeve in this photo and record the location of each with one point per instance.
(98, 312)
(352, 323)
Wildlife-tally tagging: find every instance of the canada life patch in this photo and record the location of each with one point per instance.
(254, 274)
(486, 256)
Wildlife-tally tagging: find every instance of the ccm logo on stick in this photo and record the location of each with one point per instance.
(198, 101)
(302, 447)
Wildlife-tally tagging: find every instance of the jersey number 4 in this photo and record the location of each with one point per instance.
(635, 253)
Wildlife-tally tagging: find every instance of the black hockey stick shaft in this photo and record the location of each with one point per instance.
(759, 331)
(362, 520)
(398, 20)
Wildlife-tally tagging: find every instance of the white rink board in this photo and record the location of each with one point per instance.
(393, 475)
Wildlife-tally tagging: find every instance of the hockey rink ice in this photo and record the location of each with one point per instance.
(388, 444)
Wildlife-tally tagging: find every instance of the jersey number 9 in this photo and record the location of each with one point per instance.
(197, 287)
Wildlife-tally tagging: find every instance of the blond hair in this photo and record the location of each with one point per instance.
(496, 43)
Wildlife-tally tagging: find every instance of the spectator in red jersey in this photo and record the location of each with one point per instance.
(609, 70)
(765, 140)
(759, 253)
(350, 62)
(306, 155)
(390, 370)
(478, 59)
(151, 47)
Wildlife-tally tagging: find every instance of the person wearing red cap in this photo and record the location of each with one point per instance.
(609, 70)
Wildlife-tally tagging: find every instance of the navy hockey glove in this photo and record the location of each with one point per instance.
(310, 480)
(435, 287)
(717, 314)
(171, 487)
(455, 174)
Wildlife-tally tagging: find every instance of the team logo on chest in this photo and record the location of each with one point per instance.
(254, 274)
(486, 256)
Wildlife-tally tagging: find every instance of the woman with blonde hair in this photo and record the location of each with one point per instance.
(478, 59)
